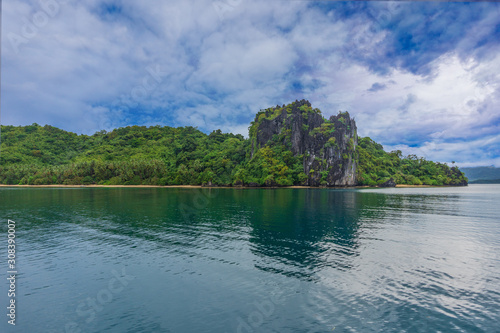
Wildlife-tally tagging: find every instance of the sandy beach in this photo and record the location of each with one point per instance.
(199, 186)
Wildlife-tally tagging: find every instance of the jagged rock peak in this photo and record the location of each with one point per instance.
(327, 146)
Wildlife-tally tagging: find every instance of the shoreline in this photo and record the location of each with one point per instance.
(170, 186)
(419, 186)
(216, 187)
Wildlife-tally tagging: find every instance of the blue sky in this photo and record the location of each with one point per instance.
(422, 77)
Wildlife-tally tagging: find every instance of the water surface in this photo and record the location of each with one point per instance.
(255, 260)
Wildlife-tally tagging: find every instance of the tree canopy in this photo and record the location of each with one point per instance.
(156, 155)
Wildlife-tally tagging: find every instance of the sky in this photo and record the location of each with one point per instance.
(421, 77)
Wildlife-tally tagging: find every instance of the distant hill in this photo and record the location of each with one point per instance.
(482, 175)
(486, 181)
(288, 145)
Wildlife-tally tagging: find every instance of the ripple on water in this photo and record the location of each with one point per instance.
(416, 260)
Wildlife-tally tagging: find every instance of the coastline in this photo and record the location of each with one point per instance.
(233, 187)
(419, 186)
(169, 186)
(104, 186)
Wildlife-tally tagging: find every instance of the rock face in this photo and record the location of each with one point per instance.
(327, 146)
(389, 183)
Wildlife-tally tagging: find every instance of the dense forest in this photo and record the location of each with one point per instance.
(138, 155)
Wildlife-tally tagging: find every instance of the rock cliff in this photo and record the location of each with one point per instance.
(327, 146)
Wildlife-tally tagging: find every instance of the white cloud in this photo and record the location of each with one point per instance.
(217, 71)
(459, 103)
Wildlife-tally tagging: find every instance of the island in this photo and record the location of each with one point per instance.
(288, 145)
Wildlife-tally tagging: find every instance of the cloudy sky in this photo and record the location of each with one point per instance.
(422, 77)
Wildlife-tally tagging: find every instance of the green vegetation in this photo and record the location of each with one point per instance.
(482, 175)
(325, 128)
(43, 155)
(36, 155)
(485, 181)
(377, 166)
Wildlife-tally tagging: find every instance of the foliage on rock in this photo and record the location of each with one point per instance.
(287, 145)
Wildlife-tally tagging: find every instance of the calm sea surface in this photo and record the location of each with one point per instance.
(254, 260)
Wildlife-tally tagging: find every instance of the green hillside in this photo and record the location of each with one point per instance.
(377, 165)
(482, 175)
(40, 155)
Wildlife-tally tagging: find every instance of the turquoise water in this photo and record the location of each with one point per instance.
(254, 260)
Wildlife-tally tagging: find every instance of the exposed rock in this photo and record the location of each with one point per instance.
(389, 183)
(326, 145)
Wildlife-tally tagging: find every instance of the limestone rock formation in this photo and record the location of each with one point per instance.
(327, 146)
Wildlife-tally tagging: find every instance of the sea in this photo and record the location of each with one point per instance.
(250, 260)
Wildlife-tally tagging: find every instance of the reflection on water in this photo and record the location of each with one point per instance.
(297, 233)
(285, 260)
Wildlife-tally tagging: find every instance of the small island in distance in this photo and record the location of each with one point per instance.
(288, 145)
